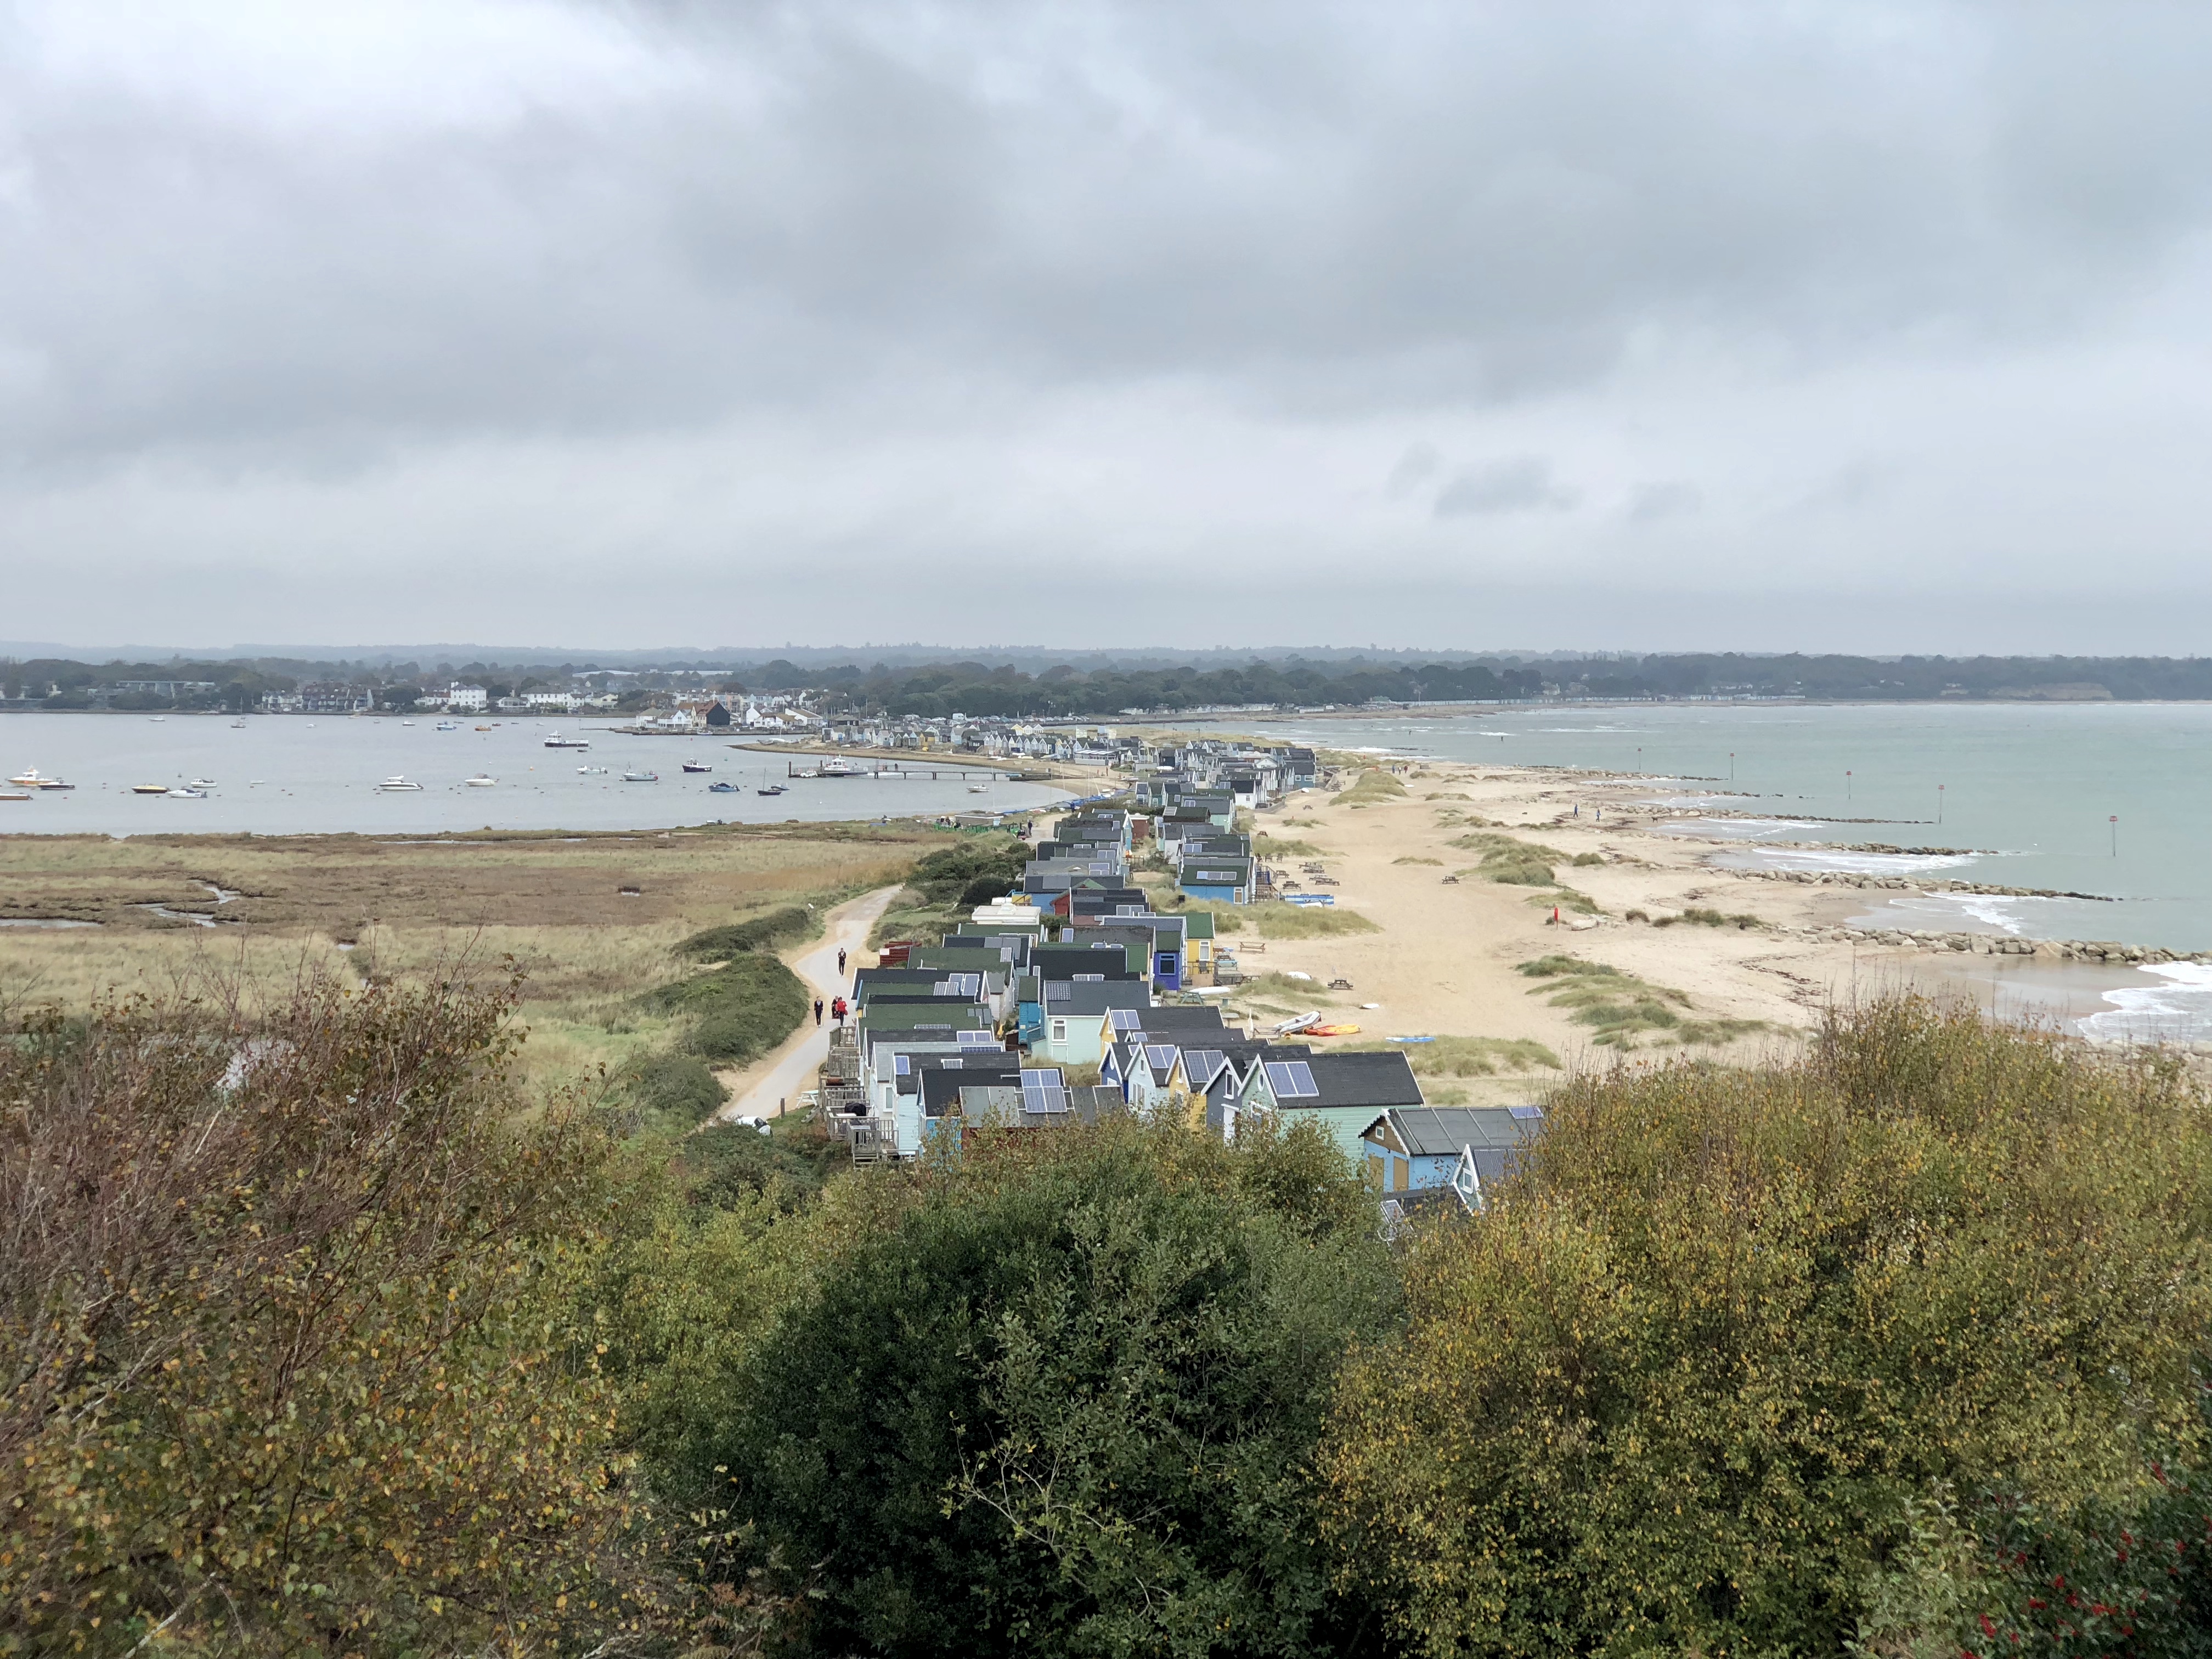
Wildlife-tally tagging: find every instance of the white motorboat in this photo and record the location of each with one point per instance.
(591, 771)
(557, 741)
(238, 725)
(449, 726)
(641, 777)
(407, 722)
(32, 778)
(184, 792)
(482, 780)
(397, 785)
(838, 767)
(201, 783)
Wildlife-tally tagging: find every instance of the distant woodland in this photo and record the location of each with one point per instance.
(996, 685)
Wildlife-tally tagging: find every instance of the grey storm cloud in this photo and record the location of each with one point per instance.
(686, 286)
(1522, 484)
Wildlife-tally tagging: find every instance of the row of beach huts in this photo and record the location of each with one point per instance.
(1075, 976)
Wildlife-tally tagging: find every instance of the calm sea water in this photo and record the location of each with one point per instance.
(285, 774)
(2109, 798)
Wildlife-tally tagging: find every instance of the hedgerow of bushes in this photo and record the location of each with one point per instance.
(322, 1344)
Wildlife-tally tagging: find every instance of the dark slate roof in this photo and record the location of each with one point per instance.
(944, 1076)
(1360, 1079)
(1173, 1021)
(1442, 1131)
(1086, 997)
(1207, 871)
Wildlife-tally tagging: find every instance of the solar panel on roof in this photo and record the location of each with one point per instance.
(1043, 1091)
(977, 1039)
(1121, 1019)
(1160, 1056)
(1526, 1112)
(1290, 1079)
(901, 1065)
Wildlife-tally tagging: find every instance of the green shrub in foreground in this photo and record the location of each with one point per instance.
(1063, 1403)
(1683, 1385)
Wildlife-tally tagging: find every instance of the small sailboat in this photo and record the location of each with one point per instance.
(397, 785)
(482, 780)
(641, 777)
(774, 789)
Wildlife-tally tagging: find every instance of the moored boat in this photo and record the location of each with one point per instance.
(482, 780)
(186, 791)
(557, 741)
(32, 778)
(149, 788)
(641, 777)
(697, 766)
(773, 789)
(14, 794)
(724, 789)
(396, 784)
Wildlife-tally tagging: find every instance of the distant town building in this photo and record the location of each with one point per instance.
(331, 697)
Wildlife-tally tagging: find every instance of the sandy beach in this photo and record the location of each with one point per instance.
(1742, 965)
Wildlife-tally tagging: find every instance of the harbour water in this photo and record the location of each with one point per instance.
(2110, 799)
(292, 774)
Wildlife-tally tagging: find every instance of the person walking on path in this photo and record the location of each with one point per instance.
(840, 964)
(817, 1010)
(838, 1009)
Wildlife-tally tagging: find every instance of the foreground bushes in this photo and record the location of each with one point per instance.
(290, 1361)
(1061, 1402)
(1688, 1388)
(322, 1342)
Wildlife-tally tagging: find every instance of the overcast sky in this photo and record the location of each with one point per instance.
(1766, 325)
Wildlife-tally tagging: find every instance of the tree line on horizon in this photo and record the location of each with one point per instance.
(985, 688)
(324, 1339)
